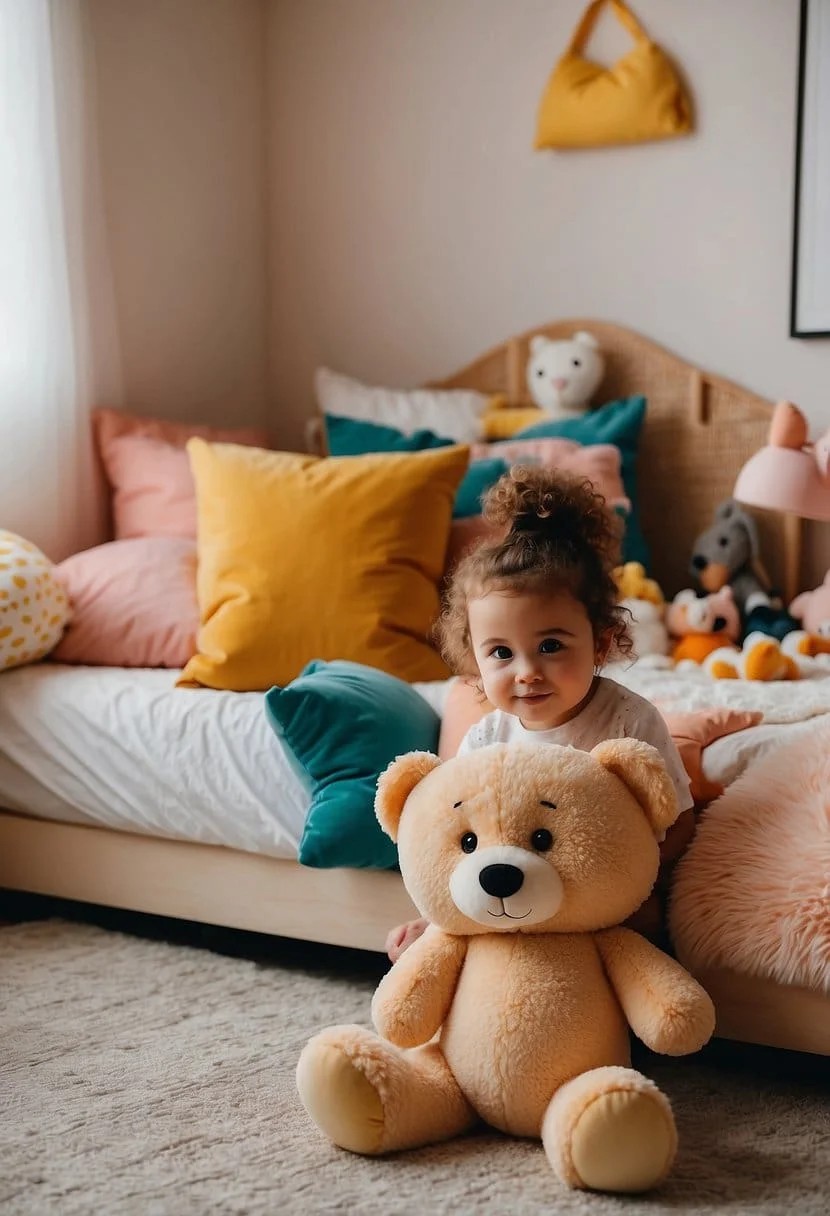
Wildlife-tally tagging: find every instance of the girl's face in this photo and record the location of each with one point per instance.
(536, 654)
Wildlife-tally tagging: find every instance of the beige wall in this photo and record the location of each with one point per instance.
(181, 94)
(414, 226)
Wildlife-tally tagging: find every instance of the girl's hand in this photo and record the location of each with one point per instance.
(402, 936)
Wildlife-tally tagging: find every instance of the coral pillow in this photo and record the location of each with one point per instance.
(599, 463)
(33, 604)
(147, 467)
(302, 558)
(134, 603)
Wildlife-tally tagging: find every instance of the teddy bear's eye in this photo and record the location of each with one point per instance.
(540, 371)
(541, 840)
(576, 362)
(468, 842)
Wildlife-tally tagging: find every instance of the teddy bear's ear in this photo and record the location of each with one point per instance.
(537, 342)
(586, 339)
(397, 783)
(641, 769)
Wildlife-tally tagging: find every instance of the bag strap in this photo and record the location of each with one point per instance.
(589, 19)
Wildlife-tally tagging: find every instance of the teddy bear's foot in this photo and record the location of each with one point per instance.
(371, 1097)
(610, 1129)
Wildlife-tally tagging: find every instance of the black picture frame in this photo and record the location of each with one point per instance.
(809, 317)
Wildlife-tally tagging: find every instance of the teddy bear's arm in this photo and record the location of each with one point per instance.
(664, 1005)
(413, 999)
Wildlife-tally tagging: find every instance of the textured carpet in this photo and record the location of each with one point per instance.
(139, 1076)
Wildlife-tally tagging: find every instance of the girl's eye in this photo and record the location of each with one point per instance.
(550, 646)
(468, 842)
(502, 652)
(541, 840)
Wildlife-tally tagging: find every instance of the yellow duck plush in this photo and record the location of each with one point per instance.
(514, 1007)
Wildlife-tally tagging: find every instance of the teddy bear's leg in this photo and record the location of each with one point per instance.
(372, 1097)
(610, 1129)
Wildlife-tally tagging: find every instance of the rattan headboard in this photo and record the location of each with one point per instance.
(699, 430)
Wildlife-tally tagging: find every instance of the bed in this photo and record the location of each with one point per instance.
(699, 429)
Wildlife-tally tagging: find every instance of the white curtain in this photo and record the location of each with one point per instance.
(58, 337)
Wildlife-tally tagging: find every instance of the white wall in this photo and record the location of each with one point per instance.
(413, 225)
(181, 95)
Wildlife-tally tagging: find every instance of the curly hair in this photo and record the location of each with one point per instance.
(557, 535)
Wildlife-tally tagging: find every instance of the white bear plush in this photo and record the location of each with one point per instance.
(563, 376)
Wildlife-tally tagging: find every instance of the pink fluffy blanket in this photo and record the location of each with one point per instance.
(752, 893)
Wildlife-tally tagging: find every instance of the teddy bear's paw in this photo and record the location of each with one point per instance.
(610, 1129)
(337, 1092)
(371, 1097)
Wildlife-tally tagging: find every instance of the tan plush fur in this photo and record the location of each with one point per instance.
(515, 1005)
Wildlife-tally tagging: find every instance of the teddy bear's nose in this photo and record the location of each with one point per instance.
(501, 880)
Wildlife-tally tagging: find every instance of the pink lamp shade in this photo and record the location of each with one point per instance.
(789, 474)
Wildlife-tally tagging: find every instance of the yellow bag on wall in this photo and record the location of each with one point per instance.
(639, 98)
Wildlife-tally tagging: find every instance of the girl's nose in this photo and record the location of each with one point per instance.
(528, 674)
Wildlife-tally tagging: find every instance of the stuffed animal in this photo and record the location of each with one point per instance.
(563, 376)
(811, 609)
(760, 658)
(643, 599)
(702, 624)
(514, 1006)
(727, 552)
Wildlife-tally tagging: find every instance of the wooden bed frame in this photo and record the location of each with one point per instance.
(699, 430)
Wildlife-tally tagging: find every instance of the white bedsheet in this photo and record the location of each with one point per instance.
(791, 709)
(126, 749)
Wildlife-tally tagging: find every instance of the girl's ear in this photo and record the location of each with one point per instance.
(602, 648)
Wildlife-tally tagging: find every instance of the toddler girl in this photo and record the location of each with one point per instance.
(534, 617)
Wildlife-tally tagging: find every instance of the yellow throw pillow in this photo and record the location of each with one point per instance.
(505, 423)
(302, 558)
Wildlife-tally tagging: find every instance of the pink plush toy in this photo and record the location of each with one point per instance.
(812, 609)
(702, 623)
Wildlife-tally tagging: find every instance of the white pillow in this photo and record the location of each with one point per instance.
(33, 605)
(453, 413)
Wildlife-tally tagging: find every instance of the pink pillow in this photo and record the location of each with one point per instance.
(601, 463)
(148, 469)
(134, 604)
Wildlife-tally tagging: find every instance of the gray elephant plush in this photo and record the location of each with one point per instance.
(727, 552)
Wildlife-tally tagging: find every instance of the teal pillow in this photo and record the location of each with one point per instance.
(620, 423)
(476, 482)
(341, 724)
(354, 437)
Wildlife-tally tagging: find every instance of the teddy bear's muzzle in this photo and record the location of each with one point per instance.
(505, 887)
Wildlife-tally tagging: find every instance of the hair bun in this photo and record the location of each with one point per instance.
(554, 508)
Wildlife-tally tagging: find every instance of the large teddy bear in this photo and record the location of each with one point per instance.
(563, 376)
(515, 1005)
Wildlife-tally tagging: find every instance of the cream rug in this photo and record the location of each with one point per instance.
(141, 1077)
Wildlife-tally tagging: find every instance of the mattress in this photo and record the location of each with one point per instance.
(126, 749)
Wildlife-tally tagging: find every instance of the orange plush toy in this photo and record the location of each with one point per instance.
(702, 624)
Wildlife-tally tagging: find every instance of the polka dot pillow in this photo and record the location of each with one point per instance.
(33, 605)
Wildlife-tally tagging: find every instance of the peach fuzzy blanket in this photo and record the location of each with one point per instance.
(752, 893)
